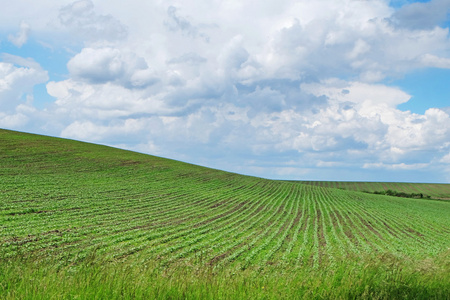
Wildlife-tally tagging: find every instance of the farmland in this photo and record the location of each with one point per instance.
(79, 219)
(427, 190)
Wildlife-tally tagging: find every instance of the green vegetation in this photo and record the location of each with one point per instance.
(85, 221)
(397, 189)
(401, 194)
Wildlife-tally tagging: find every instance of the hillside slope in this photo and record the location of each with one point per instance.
(66, 199)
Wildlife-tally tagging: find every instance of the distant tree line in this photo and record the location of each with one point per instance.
(400, 194)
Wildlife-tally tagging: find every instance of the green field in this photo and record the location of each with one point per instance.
(431, 190)
(84, 221)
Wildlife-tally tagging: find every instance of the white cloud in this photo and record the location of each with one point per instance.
(434, 61)
(18, 77)
(361, 94)
(281, 81)
(17, 82)
(111, 65)
(87, 130)
(17, 120)
(97, 65)
(22, 36)
(81, 100)
(21, 61)
(445, 159)
(360, 121)
(368, 113)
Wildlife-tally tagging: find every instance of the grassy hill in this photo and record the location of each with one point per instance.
(89, 221)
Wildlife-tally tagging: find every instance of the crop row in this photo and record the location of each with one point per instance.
(124, 205)
(263, 223)
(433, 190)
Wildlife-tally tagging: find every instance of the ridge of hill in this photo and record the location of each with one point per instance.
(79, 210)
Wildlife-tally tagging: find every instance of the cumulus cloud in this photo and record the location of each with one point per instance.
(104, 65)
(372, 50)
(22, 36)
(282, 97)
(18, 76)
(289, 87)
(374, 107)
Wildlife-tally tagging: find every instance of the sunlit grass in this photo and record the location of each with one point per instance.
(85, 221)
(378, 277)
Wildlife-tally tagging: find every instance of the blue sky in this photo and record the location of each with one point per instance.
(429, 87)
(323, 90)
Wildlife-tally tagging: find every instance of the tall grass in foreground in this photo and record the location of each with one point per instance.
(381, 277)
